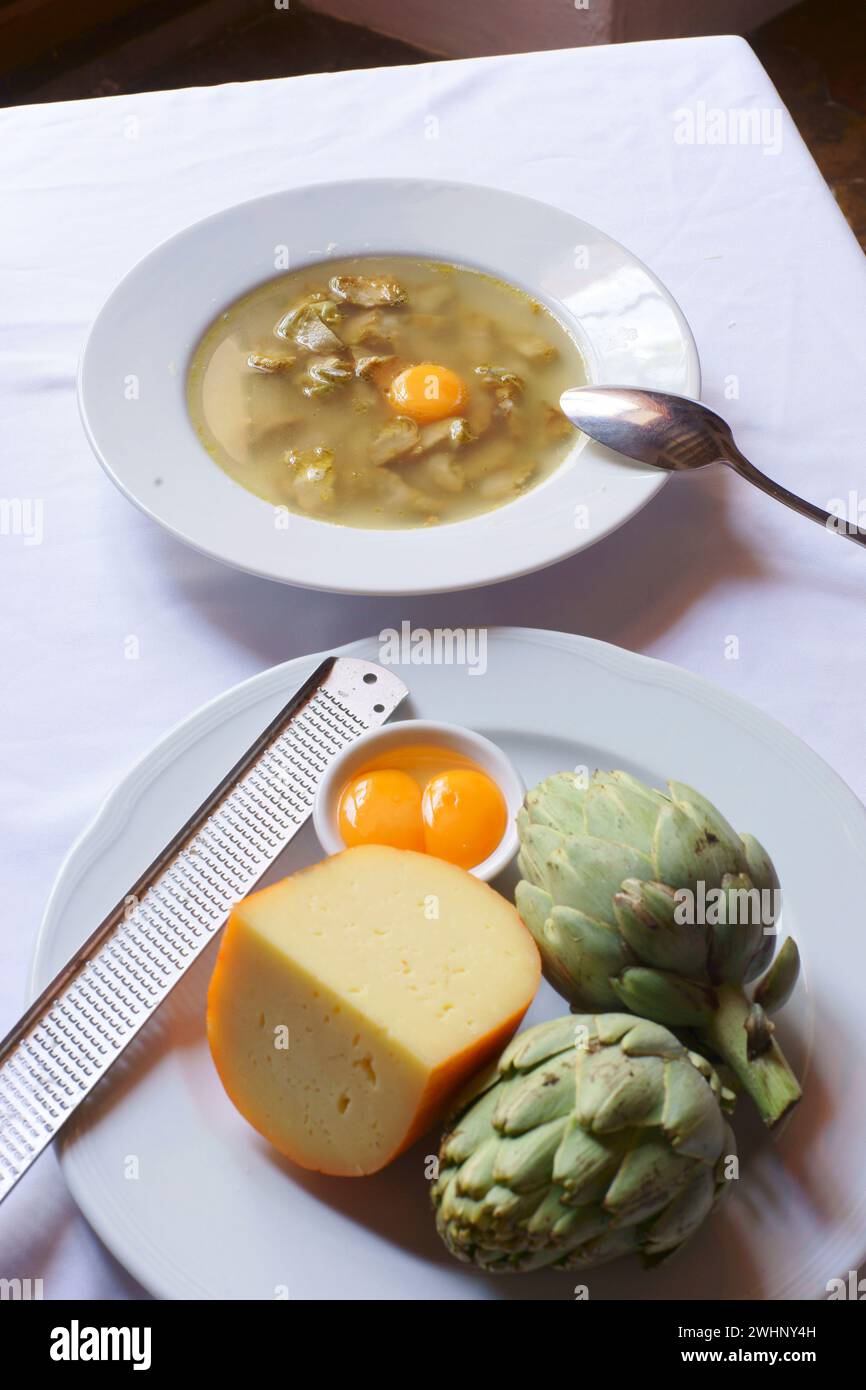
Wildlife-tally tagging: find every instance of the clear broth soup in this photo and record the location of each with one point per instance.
(385, 392)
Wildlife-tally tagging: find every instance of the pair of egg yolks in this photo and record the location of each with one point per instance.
(426, 392)
(459, 814)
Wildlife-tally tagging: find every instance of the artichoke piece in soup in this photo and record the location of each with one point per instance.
(312, 308)
(385, 392)
(324, 373)
(367, 291)
(315, 335)
(311, 476)
(270, 362)
(397, 437)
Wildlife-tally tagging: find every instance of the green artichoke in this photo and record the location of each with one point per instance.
(594, 1137)
(604, 867)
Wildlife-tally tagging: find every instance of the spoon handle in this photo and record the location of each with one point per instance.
(747, 470)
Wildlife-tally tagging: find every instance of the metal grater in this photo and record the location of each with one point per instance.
(81, 1023)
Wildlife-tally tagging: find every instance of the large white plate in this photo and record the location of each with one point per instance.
(214, 1212)
(132, 381)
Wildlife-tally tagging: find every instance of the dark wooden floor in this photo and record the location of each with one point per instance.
(164, 44)
(815, 54)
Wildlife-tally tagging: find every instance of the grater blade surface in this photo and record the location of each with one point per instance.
(69, 1038)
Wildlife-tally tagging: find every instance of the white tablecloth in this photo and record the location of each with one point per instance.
(747, 237)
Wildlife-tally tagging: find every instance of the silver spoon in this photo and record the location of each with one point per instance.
(678, 434)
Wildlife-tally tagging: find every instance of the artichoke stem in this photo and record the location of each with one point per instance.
(766, 1077)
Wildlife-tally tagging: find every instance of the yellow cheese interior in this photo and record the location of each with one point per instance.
(391, 976)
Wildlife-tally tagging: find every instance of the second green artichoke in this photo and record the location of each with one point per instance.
(607, 865)
(594, 1137)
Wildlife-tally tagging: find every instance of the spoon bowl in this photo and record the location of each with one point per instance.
(680, 435)
(666, 431)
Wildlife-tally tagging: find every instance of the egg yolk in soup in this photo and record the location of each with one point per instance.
(426, 799)
(426, 392)
(385, 392)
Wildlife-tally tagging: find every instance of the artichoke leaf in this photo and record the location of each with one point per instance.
(503, 1207)
(615, 809)
(538, 1044)
(475, 1175)
(722, 836)
(583, 956)
(641, 1038)
(477, 1086)
(632, 786)
(537, 844)
(778, 984)
(613, 1028)
(681, 1218)
(548, 1217)
(644, 916)
(739, 933)
(691, 1117)
(547, 1094)
(709, 1073)
(762, 957)
(583, 1163)
(558, 802)
(450, 1204)
(685, 853)
(585, 873)
(578, 1225)
(534, 905)
(473, 1127)
(524, 1162)
(763, 875)
(611, 1244)
(614, 1094)
(661, 900)
(759, 865)
(664, 997)
(648, 1175)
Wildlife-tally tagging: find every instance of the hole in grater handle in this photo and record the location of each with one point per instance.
(68, 1039)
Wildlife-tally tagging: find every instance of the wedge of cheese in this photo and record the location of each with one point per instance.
(351, 1001)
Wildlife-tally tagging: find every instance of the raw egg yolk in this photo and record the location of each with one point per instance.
(426, 392)
(464, 817)
(382, 808)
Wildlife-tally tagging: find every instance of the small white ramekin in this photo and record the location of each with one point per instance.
(486, 755)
